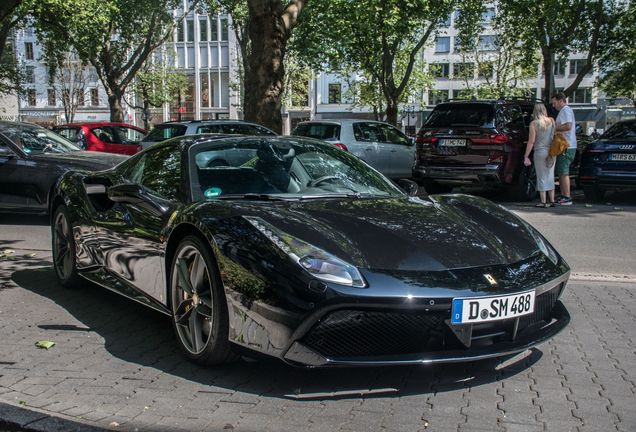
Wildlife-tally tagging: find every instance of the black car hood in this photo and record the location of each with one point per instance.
(444, 232)
(86, 160)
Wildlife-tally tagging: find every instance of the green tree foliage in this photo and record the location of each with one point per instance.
(12, 16)
(556, 28)
(617, 61)
(158, 82)
(380, 38)
(114, 36)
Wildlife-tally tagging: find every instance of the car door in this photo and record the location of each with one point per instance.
(369, 146)
(107, 140)
(12, 188)
(131, 235)
(129, 138)
(401, 151)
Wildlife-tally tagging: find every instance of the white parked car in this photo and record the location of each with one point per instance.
(379, 144)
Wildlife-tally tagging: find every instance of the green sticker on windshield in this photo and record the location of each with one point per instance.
(213, 192)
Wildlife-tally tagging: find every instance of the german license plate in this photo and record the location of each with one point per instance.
(453, 142)
(492, 308)
(623, 157)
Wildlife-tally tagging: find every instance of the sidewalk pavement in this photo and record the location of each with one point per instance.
(116, 363)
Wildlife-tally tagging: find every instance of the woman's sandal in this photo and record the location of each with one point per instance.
(541, 205)
(549, 204)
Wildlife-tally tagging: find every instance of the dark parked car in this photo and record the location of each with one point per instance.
(476, 142)
(305, 254)
(32, 159)
(104, 137)
(174, 129)
(610, 162)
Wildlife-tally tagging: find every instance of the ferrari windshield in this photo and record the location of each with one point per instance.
(36, 140)
(281, 169)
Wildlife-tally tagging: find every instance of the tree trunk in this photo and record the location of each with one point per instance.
(265, 80)
(116, 108)
(548, 70)
(391, 110)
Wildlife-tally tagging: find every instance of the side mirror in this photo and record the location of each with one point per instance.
(408, 186)
(136, 195)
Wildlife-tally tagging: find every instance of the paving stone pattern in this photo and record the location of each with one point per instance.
(117, 361)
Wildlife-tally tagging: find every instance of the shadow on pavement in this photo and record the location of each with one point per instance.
(142, 336)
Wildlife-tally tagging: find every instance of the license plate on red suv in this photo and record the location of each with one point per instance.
(452, 142)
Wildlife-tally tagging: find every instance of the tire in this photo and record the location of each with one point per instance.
(593, 193)
(433, 188)
(525, 188)
(63, 248)
(198, 305)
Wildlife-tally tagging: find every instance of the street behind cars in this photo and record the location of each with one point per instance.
(103, 136)
(379, 144)
(32, 158)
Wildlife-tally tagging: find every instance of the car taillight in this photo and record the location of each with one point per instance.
(495, 159)
(425, 140)
(491, 139)
(342, 146)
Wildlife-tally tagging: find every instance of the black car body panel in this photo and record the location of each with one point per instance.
(27, 178)
(414, 256)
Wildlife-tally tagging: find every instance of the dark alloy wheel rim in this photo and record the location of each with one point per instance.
(531, 181)
(192, 304)
(62, 238)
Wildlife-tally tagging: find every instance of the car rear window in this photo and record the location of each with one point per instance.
(164, 132)
(478, 115)
(621, 130)
(325, 132)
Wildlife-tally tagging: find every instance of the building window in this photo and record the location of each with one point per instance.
(190, 28)
(559, 67)
(205, 91)
(180, 31)
(437, 96)
(214, 25)
(486, 69)
(28, 50)
(300, 94)
(463, 70)
(334, 93)
(487, 43)
(80, 97)
(445, 22)
(462, 94)
(582, 95)
(487, 16)
(31, 101)
(440, 70)
(442, 44)
(224, 29)
(576, 66)
(95, 97)
(203, 29)
(51, 97)
(30, 74)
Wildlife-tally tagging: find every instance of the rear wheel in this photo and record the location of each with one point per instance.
(433, 188)
(63, 248)
(525, 189)
(593, 193)
(199, 308)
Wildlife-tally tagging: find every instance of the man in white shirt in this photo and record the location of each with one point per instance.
(566, 126)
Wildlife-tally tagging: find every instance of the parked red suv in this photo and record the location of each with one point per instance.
(104, 137)
(476, 142)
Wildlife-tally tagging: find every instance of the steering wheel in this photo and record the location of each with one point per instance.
(323, 179)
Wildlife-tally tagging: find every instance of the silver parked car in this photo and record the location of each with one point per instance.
(379, 144)
(173, 129)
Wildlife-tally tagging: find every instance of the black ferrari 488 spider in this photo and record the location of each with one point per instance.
(295, 249)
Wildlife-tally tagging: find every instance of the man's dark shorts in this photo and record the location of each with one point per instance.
(563, 162)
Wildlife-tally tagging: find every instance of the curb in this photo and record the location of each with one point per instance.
(14, 418)
(586, 277)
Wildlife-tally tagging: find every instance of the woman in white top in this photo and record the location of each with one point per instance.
(541, 135)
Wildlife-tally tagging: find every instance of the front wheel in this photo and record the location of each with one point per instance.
(199, 308)
(63, 248)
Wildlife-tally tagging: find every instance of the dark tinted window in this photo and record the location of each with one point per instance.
(164, 132)
(160, 172)
(367, 132)
(106, 135)
(233, 129)
(621, 130)
(209, 129)
(68, 133)
(464, 114)
(258, 130)
(327, 132)
(393, 136)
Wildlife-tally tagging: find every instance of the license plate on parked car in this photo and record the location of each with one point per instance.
(452, 142)
(623, 157)
(492, 308)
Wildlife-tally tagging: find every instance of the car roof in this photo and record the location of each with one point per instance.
(340, 121)
(94, 124)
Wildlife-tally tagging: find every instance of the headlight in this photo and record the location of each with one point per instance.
(321, 264)
(544, 246)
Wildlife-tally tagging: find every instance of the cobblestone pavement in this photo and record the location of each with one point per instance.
(117, 362)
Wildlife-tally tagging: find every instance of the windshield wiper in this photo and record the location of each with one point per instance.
(335, 195)
(253, 196)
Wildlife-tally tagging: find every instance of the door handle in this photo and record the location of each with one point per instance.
(368, 149)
